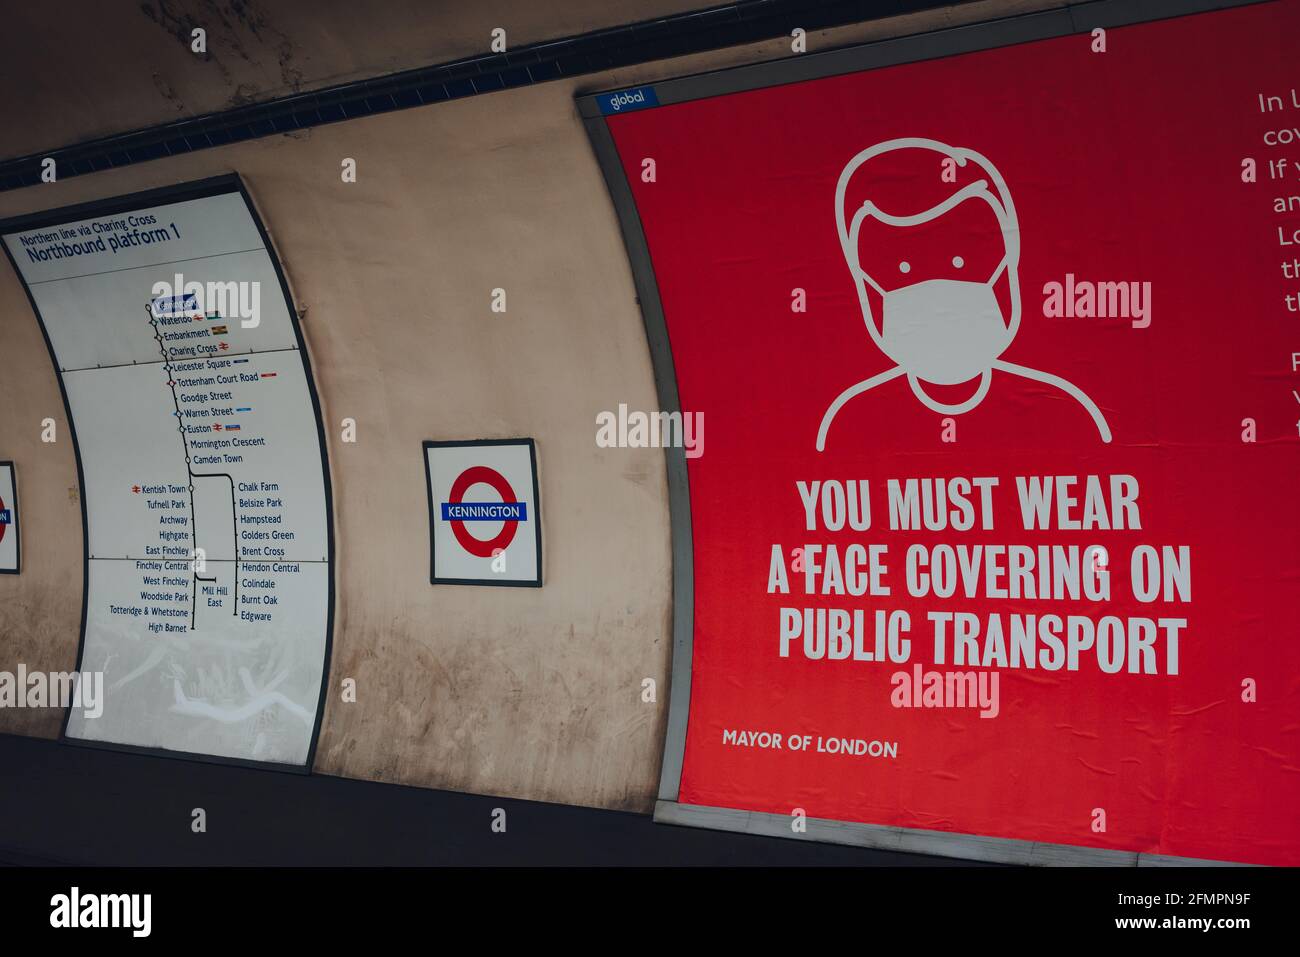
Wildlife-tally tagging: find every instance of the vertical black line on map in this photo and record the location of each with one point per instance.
(185, 448)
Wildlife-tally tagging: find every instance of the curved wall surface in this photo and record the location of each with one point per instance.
(395, 305)
(532, 693)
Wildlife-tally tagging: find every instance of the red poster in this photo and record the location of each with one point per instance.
(996, 530)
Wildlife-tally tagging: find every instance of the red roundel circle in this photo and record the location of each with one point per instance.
(476, 546)
(3, 525)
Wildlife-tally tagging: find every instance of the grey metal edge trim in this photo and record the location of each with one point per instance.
(679, 494)
(912, 48)
(1072, 19)
(996, 850)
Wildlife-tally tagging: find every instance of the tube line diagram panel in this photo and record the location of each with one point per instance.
(205, 491)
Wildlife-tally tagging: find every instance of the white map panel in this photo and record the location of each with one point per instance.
(205, 491)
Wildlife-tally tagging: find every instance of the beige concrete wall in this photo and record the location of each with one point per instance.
(532, 693)
(40, 609)
(504, 690)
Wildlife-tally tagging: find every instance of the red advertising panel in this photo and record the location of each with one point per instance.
(996, 531)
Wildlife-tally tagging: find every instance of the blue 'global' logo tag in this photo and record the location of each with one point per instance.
(625, 101)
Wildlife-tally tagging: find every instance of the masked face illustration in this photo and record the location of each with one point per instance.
(944, 330)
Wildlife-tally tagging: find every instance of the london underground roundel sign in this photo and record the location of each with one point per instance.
(508, 511)
(9, 557)
(483, 512)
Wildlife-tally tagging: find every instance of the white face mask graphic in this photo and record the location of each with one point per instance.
(944, 330)
(941, 331)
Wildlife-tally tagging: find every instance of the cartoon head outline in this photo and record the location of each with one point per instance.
(1004, 210)
(1001, 204)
